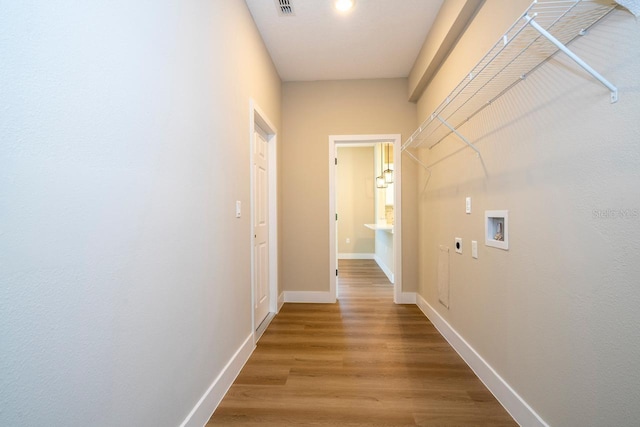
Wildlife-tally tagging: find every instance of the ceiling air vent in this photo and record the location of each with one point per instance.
(285, 7)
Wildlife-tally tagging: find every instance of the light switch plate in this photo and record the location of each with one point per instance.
(474, 249)
(238, 209)
(468, 205)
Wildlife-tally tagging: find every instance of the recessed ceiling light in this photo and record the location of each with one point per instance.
(344, 5)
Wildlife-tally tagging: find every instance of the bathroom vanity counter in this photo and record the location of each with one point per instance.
(380, 227)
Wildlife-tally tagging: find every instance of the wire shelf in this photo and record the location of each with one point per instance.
(521, 50)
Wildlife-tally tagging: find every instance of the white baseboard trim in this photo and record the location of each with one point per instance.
(210, 400)
(263, 327)
(356, 256)
(384, 268)
(407, 298)
(309, 297)
(280, 301)
(507, 396)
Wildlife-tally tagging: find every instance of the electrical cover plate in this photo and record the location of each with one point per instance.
(458, 245)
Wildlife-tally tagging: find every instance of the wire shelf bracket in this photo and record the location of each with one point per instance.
(526, 45)
(614, 90)
(418, 161)
(459, 135)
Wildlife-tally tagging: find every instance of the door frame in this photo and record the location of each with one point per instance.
(258, 119)
(395, 139)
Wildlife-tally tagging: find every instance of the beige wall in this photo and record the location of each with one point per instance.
(557, 315)
(355, 200)
(452, 19)
(124, 145)
(311, 112)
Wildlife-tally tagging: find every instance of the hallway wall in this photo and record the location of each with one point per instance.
(556, 315)
(124, 132)
(311, 112)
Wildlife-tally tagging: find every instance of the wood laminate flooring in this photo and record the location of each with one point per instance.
(363, 361)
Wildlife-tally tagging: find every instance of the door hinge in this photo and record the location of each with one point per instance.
(336, 272)
(336, 159)
(336, 217)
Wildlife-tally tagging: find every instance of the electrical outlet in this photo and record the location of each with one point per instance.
(348, 240)
(459, 245)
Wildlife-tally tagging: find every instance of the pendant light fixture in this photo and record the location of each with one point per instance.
(388, 173)
(380, 182)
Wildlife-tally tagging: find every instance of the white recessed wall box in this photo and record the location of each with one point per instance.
(496, 229)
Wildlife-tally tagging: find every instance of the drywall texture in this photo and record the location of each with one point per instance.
(311, 112)
(125, 276)
(355, 200)
(557, 314)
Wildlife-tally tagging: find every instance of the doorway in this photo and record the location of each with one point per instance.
(336, 141)
(264, 231)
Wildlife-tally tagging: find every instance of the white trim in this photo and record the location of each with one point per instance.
(259, 120)
(333, 245)
(385, 268)
(356, 255)
(397, 214)
(263, 327)
(280, 301)
(309, 297)
(407, 298)
(211, 398)
(397, 234)
(506, 395)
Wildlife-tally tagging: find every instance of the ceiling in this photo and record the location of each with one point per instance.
(376, 39)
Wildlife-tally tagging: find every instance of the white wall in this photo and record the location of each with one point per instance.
(124, 143)
(557, 315)
(384, 253)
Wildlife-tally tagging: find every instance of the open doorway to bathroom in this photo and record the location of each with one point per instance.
(371, 230)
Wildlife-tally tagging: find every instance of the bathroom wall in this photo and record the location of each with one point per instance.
(355, 201)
